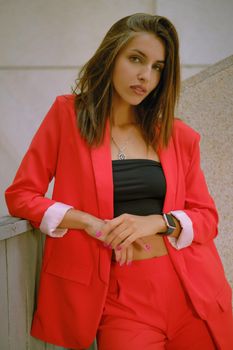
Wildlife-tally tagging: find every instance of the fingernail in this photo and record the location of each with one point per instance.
(147, 247)
(106, 245)
(118, 247)
(98, 234)
(129, 263)
(121, 263)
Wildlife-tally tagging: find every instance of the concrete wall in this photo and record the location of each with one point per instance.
(207, 105)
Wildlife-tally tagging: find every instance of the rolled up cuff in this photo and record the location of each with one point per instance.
(52, 218)
(186, 235)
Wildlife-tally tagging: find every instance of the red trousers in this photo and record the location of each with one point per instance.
(147, 309)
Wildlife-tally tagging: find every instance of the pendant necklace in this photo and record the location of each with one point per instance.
(121, 150)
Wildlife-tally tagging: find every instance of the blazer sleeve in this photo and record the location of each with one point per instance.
(199, 205)
(25, 198)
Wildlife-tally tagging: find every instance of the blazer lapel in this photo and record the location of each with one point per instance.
(102, 166)
(169, 164)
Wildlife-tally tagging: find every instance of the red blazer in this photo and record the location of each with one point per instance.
(75, 270)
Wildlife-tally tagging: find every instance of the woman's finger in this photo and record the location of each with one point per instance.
(122, 258)
(117, 235)
(117, 255)
(129, 257)
(121, 238)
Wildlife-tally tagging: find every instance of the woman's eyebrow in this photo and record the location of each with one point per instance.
(144, 55)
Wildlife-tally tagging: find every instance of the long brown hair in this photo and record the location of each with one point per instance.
(94, 83)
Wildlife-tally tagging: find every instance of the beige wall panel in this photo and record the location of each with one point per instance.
(58, 32)
(17, 272)
(49, 40)
(205, 28)
(25, 97)
(4, 328)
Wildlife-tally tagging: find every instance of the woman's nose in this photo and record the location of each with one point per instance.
(144, 74)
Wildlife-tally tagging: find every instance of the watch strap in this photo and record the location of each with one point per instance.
(170, 222)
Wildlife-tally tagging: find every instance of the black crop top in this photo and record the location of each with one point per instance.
(139, 187)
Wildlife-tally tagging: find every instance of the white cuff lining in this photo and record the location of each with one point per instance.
(52, 218)
(186, 236)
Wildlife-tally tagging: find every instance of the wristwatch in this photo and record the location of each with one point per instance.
(170, 222)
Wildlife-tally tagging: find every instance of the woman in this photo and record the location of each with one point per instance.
(129, 249)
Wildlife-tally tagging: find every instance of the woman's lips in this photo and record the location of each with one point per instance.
(138, 89)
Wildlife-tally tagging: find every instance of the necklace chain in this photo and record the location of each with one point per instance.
(121, 153)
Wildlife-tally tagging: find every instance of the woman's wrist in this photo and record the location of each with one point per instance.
(76, 219)
(160, 225)
(89, 222)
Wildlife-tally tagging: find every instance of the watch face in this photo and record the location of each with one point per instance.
(170, 220)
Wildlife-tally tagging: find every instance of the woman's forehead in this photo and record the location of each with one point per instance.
(148, 44)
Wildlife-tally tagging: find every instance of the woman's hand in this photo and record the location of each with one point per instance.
(120, 232)
(77, 219)
(94, 227)
(124, 256)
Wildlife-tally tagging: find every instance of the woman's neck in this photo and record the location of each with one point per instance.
(122, 114)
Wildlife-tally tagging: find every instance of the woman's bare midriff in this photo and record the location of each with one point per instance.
(158, 248)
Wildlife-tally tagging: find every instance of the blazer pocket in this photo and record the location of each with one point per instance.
(80, 274)
(71, 258)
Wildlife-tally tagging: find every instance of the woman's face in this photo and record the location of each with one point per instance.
(138, 69)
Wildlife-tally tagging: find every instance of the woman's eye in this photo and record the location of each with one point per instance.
(135, 59)
(158, 68)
